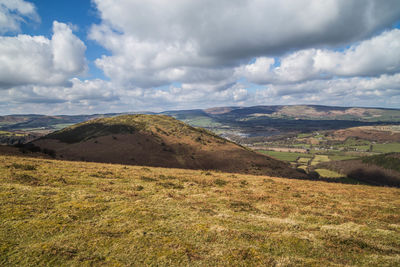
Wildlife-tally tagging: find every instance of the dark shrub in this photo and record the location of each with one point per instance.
(49, 152)
(313, 175)
(29, 148)
(373, 176)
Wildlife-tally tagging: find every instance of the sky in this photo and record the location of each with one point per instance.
(103, 56)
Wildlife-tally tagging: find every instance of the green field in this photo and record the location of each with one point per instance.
(341, 157)
(302, 145)
(319, 159)
(328, 173)
(386, 148)
(304, 135)
(303, 160)
(6, 133)
(285, 156)
(354, 145)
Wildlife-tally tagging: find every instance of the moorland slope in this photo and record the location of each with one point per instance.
(63, 213)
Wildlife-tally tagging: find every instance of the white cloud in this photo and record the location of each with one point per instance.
(373, 57)
(86, 96)
(380, 91)
(223, 27)
(155, 43)
(37, 60)
(13, 12)
(193, 54)
(98, 96)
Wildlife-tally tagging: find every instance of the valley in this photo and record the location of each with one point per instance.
(304, 135)
(141, 189)
(307, 150)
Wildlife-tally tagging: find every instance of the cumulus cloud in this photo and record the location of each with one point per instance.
(99, 96)
(246, 27)
(162, 43)
(14, 12)
(205, 53)
(86, 96)
(372, 57)
(37, 60)
(151, 64)
(379, 91)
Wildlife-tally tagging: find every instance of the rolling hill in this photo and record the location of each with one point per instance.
(157, 140)
(275, 120)
(311, 112)
(283, 117)
(371, 133)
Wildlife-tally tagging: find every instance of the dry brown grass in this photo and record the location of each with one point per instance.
(74, 213)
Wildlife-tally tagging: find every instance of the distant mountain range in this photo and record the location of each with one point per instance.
(240, 121)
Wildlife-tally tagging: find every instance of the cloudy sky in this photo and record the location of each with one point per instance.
(82, 56)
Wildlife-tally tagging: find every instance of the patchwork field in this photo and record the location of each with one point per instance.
(320, 147)
(73, 213)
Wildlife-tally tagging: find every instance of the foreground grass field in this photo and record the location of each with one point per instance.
(72, 213)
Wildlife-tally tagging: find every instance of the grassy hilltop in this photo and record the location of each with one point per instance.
(75, 213)
(157, 140)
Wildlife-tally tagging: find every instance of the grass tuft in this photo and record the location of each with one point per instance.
(242, 206)
(147, 179)
(25, 167)
(171, 185)
(26, 179)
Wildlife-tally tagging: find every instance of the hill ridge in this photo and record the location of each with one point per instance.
(157, 140)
